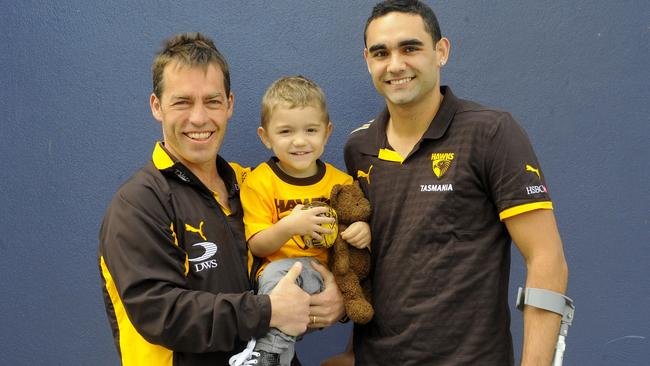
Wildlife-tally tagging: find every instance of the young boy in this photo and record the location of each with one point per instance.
(295, 125)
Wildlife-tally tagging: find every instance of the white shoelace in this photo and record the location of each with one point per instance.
(243, 357)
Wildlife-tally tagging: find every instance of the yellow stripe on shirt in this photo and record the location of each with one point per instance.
(390, 155)
(516, 210)
(134, 349)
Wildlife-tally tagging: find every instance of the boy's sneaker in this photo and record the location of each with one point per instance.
(263, 358)
(248, 357)
(244, 358)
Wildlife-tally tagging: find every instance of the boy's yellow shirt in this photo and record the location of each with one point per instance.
(268, 195)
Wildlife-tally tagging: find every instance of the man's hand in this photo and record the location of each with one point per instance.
(357, 235)
(290, 304)
(326, 308)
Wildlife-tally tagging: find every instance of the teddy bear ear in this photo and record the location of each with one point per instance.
(335, 192)
(356, 188)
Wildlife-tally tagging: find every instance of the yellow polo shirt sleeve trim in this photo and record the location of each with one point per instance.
(390, 155)
(514, 211)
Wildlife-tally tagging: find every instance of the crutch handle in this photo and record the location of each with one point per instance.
(556, 303)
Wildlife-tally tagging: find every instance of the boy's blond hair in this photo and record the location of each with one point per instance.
(293, 92)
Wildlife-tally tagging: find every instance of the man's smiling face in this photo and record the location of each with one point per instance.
(194, 111)
(402, 59)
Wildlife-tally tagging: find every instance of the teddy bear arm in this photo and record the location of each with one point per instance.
(359, 261)
(340, 256)
(356, 305)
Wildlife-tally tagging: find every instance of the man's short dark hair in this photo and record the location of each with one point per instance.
(406, 6)
(188, 49)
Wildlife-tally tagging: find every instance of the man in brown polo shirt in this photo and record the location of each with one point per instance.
(451, 183)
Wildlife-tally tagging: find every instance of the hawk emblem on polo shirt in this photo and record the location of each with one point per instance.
(441, 163)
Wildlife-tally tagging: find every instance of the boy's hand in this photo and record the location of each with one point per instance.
(358, 235)
(308, 222)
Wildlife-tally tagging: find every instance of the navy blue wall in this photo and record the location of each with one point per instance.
(75, 124)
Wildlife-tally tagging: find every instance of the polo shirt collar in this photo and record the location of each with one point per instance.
(437, 127)
(445, 115)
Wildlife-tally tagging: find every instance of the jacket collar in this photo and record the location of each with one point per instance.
(169, 165)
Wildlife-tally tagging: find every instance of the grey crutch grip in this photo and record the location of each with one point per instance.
(554, 302)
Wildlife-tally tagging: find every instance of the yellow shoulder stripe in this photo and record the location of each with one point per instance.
(187, 262)
(514, 211)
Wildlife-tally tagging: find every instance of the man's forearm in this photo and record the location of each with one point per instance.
(541, 327)
(535, 234)
(540, 335)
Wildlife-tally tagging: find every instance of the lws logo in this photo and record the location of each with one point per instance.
(210, 249)
(441, 163)
(203, 261)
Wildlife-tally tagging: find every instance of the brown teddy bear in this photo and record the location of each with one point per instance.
(350, 265)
